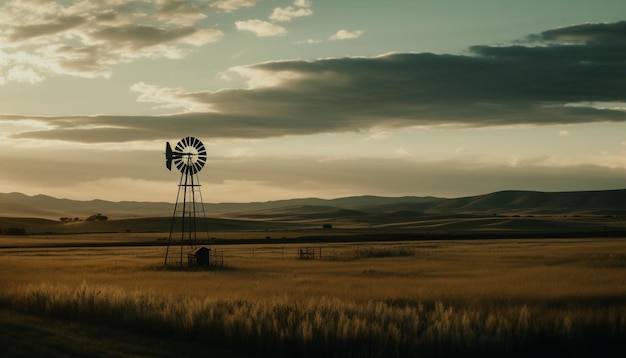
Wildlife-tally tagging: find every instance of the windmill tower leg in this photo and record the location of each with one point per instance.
(188, 219)
(177, 225)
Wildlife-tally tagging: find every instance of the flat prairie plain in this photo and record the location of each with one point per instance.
(513, 297)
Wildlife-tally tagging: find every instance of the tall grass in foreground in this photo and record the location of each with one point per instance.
(281, 326)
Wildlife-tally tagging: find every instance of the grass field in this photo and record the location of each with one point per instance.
(423, 298)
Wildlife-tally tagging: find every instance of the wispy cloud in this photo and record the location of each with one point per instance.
(260, 28)
(309, 41)
(345, 35)
(179, 12)
(86, 39)
(232, 5)
(585, 33)
(55, 26)
(281, 14)
(22, 74)
(174, 98)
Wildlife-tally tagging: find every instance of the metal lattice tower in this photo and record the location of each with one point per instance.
(189, 217)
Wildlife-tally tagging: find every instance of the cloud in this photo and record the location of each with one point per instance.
(60, 24)
(86, 39)
(345, 35)
(168, 98)
(23, 74)
(585, 33)
(521, 84)
(282, 14)
(260, 28)
(308, 41)
(232, 5)
(136, 37)
(401, 152)
(178, 12)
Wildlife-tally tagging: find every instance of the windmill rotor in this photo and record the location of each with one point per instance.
(189, 155)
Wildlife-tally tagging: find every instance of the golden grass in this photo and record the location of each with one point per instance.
(510, 297)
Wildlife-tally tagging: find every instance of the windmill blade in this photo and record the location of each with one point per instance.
(180, 146)
(179, 164)
(201, 161)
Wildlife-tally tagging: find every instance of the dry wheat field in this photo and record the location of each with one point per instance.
(539, 297)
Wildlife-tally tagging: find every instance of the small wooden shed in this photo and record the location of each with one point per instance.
(201, 257)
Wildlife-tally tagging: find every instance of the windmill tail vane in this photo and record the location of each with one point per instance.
(168, 156)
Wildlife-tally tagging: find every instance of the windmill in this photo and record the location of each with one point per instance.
(189, 218)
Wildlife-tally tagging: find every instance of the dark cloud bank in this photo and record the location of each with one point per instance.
(554, 77)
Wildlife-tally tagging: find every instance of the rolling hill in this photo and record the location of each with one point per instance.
(605, 202)
(42, 206)
(504, 211)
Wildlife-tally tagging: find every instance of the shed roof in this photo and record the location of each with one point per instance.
(201, 250)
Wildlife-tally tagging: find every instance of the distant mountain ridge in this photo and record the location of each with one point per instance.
(602, 202)
(21, 205)
(533, 202)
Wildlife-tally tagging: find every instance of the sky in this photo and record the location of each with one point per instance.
(312, 98)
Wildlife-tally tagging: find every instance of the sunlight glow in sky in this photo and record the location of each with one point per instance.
(312, 98)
